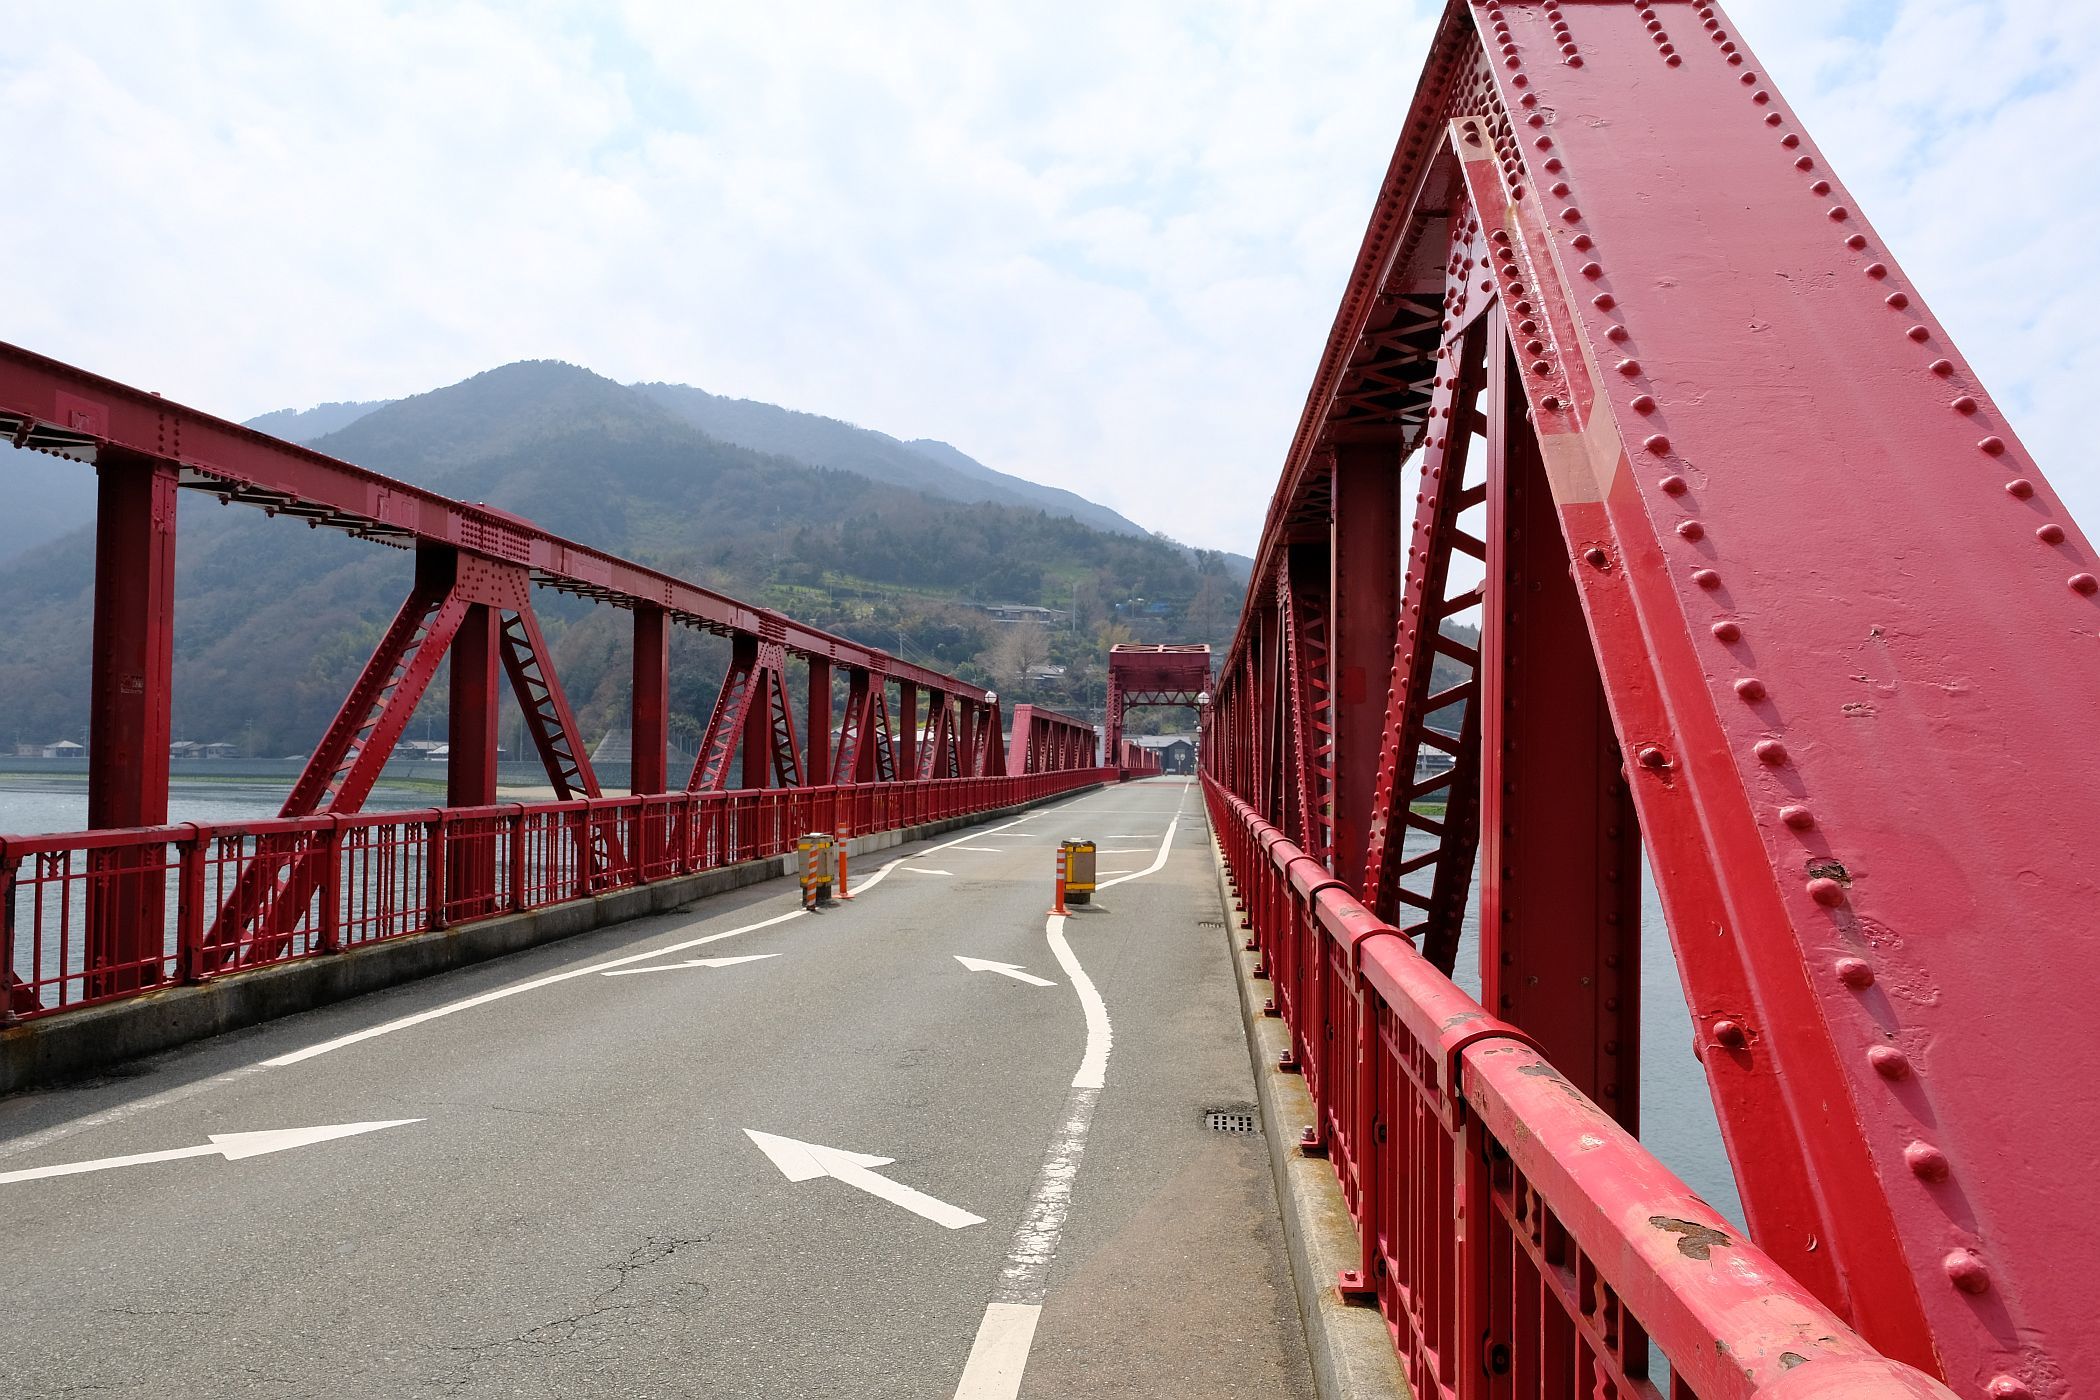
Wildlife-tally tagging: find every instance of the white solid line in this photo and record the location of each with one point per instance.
(1000, 1353)
(689, 962)
(927, 870)
(999, 1356)
(469, 1003)
(1093, 1066)
(983, 850)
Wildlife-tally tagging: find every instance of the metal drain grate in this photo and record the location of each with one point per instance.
(1231, 1120)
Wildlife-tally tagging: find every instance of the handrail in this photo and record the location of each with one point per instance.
(1517, 1240)
(382, 875)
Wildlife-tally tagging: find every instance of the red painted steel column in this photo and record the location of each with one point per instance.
(649, 731)
(1559, 847)
(816, 763)
(908, 728)
(1364, 584)
(470, 767)
(758, 729)
(129, 708)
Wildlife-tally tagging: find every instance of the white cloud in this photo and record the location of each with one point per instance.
(1094, 244)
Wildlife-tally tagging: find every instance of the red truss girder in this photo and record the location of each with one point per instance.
(275, 889)
(751, 708)
(1146, 674)
(1823, 612)
(1045, 741)
(57, 408)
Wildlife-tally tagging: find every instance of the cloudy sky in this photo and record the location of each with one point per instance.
(1093, 244)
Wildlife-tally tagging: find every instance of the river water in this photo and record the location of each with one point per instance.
(1677, 1115)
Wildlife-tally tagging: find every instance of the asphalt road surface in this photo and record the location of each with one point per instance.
(731, 1151)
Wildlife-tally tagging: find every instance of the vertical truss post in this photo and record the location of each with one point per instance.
(649, 730)
(757, 727)
(817, 749)
(908, 752)
(1364, 584)
(1560, 850)
(1113, 716)
(470, 756)
(129, 712)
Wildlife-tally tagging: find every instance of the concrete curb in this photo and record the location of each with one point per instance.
(78, 1043)
(1352, 1351)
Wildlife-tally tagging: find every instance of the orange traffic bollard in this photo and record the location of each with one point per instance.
(1059, 906)
(842, 892)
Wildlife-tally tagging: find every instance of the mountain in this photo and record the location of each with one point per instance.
(273, 620)
(304, 425)
(921, 465)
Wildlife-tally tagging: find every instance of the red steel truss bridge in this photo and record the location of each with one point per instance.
(1142, 675)
(135, 904)
(1721, 553)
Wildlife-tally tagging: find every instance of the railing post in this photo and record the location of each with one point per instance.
(331, 940)
(516, 882)
(434, 871)
(9, 864)
(189, 905)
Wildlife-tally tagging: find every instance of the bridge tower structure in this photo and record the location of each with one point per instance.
(1147, 674)
(1770, 600)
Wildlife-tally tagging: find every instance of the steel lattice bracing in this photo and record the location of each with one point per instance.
(1771, 586)
(278, 892)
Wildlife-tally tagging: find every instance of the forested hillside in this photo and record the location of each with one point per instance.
(273, 619)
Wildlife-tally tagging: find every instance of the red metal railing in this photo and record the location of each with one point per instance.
(1518, 1241)
(384, 875)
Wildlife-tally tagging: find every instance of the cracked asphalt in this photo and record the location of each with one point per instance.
(579, 1211)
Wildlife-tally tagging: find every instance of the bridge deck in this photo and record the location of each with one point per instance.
(578, 1209)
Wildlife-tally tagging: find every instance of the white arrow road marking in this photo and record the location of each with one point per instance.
(923, 870)
(234, 1147)
(690, 962)
(806, 1161)
(1012, 970)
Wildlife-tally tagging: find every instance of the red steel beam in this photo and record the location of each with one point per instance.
(129, 710)
(649, 731)
(56, 407)
(1837, 613)
(1364, 584)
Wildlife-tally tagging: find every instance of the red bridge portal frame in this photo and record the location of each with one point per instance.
(101, 920)
(1768, 588)
(1143, 674)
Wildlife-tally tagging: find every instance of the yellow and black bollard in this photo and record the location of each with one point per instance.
(1078, 858)
(816, 853)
